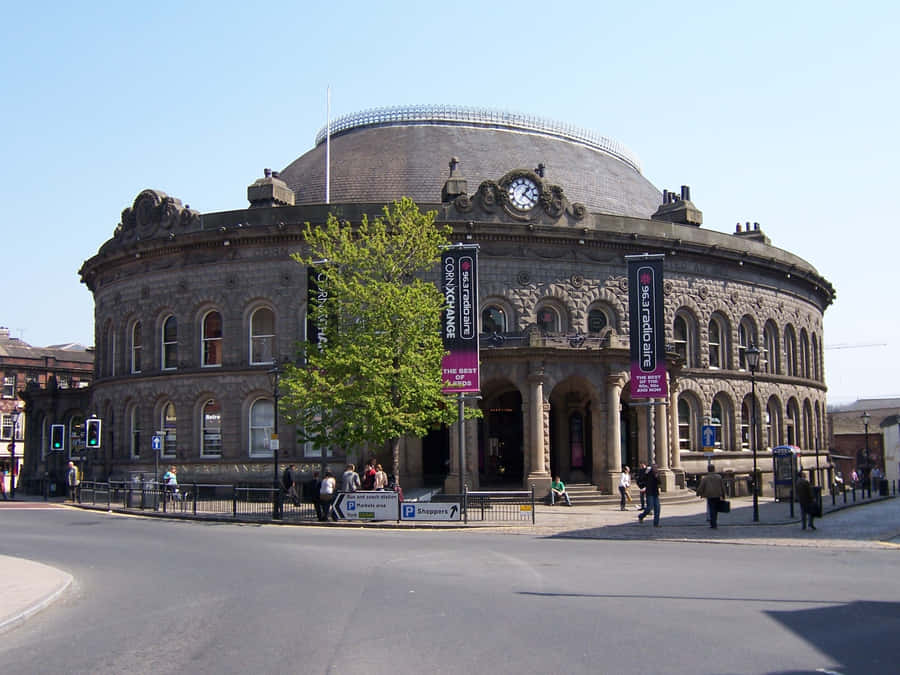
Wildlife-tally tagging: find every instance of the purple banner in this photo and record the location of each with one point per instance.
(645, 312)
(459, 321)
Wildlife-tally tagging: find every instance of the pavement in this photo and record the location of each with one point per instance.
(850, 525)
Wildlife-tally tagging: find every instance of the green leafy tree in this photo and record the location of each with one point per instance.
(378, 377)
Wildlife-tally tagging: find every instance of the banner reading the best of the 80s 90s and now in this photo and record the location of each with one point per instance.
(459, 321)
(645, 312)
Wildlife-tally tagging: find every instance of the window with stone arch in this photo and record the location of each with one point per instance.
(684, 337)
(137, 345)
(790, 350)
(261, 425)
(770, 358)
(211, 338)
(808, 434)
(688, 422)
(211, 429)
(549, 318)
(747, 422)
(598, 319)
(134, 431)
(792, 423)
(804, 370)
(772, 419)
(815, 358)
(493, 319)
(718, 341)
(817, 427)
(722, 421)
(746, 337)
(167, 424)
(169, 343)
(262, 336)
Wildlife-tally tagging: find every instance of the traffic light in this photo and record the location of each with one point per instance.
(57, 436)
(92, 432)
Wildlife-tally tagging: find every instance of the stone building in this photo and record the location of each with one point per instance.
(192, 309)
(41, 386)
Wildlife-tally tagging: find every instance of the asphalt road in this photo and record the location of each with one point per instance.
(156, 596)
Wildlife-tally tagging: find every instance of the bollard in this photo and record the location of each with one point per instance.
(854, 494)
(845, 495)
(194, 492)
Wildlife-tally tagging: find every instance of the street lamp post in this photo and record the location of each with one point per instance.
(274, 374)
(752, 356)
(13, 468)
(868, 471)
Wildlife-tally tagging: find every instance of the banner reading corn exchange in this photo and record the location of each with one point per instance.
(645, 313)
(459, 321)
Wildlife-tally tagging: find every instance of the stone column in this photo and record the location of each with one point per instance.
(666, 476)
(599, 443)
(614, 384)
(538, 410)
(673, 432)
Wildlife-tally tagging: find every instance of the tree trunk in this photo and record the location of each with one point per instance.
(395, 458)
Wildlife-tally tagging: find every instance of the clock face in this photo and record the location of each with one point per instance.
(523, 193)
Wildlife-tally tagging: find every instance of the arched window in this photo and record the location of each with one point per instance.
(816, 372)
(262, 422)
(687, 424)
(792, 423)
(212, 339)
(773, 424)
(790, 350)
(817, 428)
(717, 421)
(807, 441)
(718, 348)
(170, 343)
(548, 319)
(684, 337)
(804, 368)
(137, 344)
(211, 431)
(771, 357)
(167, 423)
(746, 413)
(262, 336)
(493, 319)
(134, 424)
(597, 320)
(746, 337)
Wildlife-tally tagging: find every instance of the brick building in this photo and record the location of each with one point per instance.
(191, 309)
(34, 378)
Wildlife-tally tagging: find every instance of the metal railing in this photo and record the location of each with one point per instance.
(203, 500)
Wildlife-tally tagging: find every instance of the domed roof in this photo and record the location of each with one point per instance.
(383, 154)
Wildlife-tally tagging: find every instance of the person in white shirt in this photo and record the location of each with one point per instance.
(624, 484)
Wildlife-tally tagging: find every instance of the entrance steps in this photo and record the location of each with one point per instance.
(587, 494)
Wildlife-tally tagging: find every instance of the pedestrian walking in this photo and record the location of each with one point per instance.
(289, 484)
(712, 488)
(3, 485)
(326, 495)
(652, 495)
(624, 483)
(641, 480)
(809, 506)
(381, 479)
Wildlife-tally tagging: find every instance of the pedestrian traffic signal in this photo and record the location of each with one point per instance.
(92, 432)
(57, 436)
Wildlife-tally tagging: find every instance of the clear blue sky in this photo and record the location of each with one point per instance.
(782, 113)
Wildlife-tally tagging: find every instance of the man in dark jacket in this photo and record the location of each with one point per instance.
(807, 499)
(641, 480)
(652, 478)
(712, 488)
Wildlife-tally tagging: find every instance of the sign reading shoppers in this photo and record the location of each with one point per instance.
(459, 321)
(645, 313)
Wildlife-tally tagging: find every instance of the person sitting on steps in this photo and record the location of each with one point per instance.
(558, 491)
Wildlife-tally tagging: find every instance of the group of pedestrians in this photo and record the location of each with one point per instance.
(321, 492)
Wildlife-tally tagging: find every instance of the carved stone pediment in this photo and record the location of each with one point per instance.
(155, 214)
(544, 201)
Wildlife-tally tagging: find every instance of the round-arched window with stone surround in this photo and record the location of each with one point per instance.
(211, 429)
(493, 319)
(262, 423)
(598, 319)
(262, 336)
(549, 318)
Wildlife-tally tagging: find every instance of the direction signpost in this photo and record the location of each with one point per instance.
(708, 436)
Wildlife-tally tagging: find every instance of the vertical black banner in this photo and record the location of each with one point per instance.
(460, 320)
(646, 316)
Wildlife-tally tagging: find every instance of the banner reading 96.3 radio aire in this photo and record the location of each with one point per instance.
(645, 313)
(459, 321)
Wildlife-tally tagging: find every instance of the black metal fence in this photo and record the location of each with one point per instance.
(200, 500)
